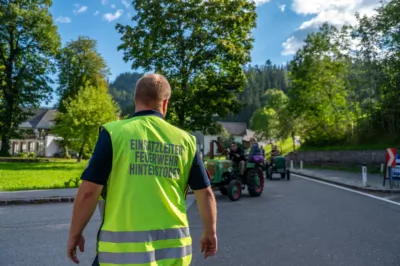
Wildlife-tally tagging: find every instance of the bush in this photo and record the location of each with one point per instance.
(32, 155)
(22, 155)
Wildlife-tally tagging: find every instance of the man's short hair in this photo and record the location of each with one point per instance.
(152, 89)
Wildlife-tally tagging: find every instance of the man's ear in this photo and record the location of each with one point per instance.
(165, 107)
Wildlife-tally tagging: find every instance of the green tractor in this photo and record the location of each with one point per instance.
(278, 166)
(225, 175)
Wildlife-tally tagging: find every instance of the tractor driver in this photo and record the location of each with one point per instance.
(236, 154)
(274, 152)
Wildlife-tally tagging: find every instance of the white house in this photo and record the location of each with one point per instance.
(38, 137)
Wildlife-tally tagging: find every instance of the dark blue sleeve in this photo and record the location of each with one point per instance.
(99, 166)
(198, 178)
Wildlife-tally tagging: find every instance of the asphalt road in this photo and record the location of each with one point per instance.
(294, 223)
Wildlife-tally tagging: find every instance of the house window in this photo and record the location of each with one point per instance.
(31, 146)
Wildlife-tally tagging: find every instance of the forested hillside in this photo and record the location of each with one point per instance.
(122, 89)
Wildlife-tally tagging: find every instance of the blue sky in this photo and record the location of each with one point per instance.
(281, 24)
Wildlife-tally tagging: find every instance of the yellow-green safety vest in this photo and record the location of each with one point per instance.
(145, 220)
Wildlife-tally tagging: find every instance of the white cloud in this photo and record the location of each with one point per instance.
(125, 3)
(282, 7)
(96, 13)
(110, 16)
(103, 2)
(291, 46)
(79, 9)
(335, 12)
(260, 2)
(112, 6)
(63, 20)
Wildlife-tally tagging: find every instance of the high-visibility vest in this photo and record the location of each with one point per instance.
(145, 220)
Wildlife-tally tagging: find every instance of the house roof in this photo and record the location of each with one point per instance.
(41, 118)
(234, 128)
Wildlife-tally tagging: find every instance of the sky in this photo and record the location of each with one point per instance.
(282, 25)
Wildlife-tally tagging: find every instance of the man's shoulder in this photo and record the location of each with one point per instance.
(113, 124)
(180, 132)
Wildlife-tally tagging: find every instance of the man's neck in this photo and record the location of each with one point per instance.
(140, 109)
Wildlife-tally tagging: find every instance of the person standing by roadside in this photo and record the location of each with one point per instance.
(142, 168)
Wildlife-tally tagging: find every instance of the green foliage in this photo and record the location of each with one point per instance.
(274, 121)
(225, 138)
(26, 155)
(200, 46)
(264, 122)
(79, 65)
(319, 72)
(28, 44)
(346, 95)
(81, 122)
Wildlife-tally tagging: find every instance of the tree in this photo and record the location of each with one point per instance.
(265, 123)
(225, 138)
(84, 114)
(80, 64)
(28, 44)
(200, 46)
(319, 73)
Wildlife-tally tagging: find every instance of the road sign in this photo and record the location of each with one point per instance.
(391, 157)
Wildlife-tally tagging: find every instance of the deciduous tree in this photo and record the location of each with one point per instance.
(28, 44)
(80, 64)
(200, 46)
(84, 114)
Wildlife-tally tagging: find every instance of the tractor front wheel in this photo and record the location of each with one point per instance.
(288, 174)
(234, 190)
(255, 182)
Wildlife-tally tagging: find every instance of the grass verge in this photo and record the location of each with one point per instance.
(40, 175)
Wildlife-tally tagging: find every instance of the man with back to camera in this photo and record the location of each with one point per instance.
(142, 167)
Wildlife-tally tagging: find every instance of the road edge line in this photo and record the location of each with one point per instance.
(346, 189)
(354, 187)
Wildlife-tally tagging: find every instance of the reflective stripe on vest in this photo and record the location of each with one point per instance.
(143, 236)
(144, 257)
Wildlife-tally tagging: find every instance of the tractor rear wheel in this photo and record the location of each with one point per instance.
(223, 191)
(255, 182)
(234, 190)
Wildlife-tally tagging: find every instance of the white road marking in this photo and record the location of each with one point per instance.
(391, 197)
(348, 189)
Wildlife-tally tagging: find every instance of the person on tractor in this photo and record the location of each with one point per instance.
(274, 152)
(255, 154)
(236, 154)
